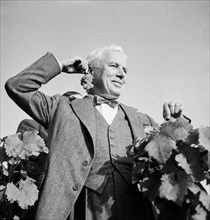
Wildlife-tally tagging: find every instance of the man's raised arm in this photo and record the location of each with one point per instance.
(23, 88)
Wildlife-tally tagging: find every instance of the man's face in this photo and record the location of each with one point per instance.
(110, 75)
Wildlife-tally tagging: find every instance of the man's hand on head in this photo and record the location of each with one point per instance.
(171, 109)
(74, 65)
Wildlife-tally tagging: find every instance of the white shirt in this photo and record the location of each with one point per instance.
(108, 112)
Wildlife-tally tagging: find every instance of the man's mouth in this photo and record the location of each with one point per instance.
(117, 83)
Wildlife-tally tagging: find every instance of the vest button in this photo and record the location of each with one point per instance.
(113, 155)
(85, 163)
(111, 130)
(75, 187)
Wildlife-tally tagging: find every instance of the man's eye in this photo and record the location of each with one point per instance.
(113, 65)
(125, 70)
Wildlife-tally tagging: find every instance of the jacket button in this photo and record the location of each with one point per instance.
(85, 163)
(111, 137)
(75, 187)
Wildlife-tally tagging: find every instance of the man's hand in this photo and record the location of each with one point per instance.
(74, 65)
(171, 109)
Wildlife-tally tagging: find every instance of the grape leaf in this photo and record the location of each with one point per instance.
(13, 145)
(194, 189)
(169, 188)
(176, 129)
(174, 187)
(180, 134)
(28, 193)
(200, 213)
(32, 139)
(204, 137)
(182, 162)
(160, 148)
(193, 137)
(205, 199)
(184, 180)
(197, 158)
(33, 144)
(171, 165)
(175, 160)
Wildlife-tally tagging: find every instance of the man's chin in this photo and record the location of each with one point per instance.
(110, 96)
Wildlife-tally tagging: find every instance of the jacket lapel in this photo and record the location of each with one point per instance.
(84, 110)
(136, 125)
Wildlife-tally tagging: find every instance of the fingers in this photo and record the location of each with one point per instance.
(171, 109)
(74, 65)
(84, 66)
(79, 65)
(178, 108)
(166, 111)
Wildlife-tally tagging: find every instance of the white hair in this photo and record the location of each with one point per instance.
(97, 54)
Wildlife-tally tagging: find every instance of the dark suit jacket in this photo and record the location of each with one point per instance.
(72, 134)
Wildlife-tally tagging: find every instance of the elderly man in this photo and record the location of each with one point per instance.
(89, 175)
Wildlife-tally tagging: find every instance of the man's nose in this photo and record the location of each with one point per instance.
(121, 73)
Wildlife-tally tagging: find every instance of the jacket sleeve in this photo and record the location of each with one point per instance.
(23, 88)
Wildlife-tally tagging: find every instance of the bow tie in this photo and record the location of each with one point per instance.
(98, 100)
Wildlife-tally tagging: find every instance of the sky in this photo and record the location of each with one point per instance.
(166, 42)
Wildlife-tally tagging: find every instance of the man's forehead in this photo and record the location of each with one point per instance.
(114, 56)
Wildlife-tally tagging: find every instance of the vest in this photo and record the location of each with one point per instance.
(110, 151)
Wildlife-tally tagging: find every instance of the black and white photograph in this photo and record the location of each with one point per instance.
(105, 110)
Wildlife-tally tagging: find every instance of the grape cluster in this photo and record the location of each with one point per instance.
(86, 81)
